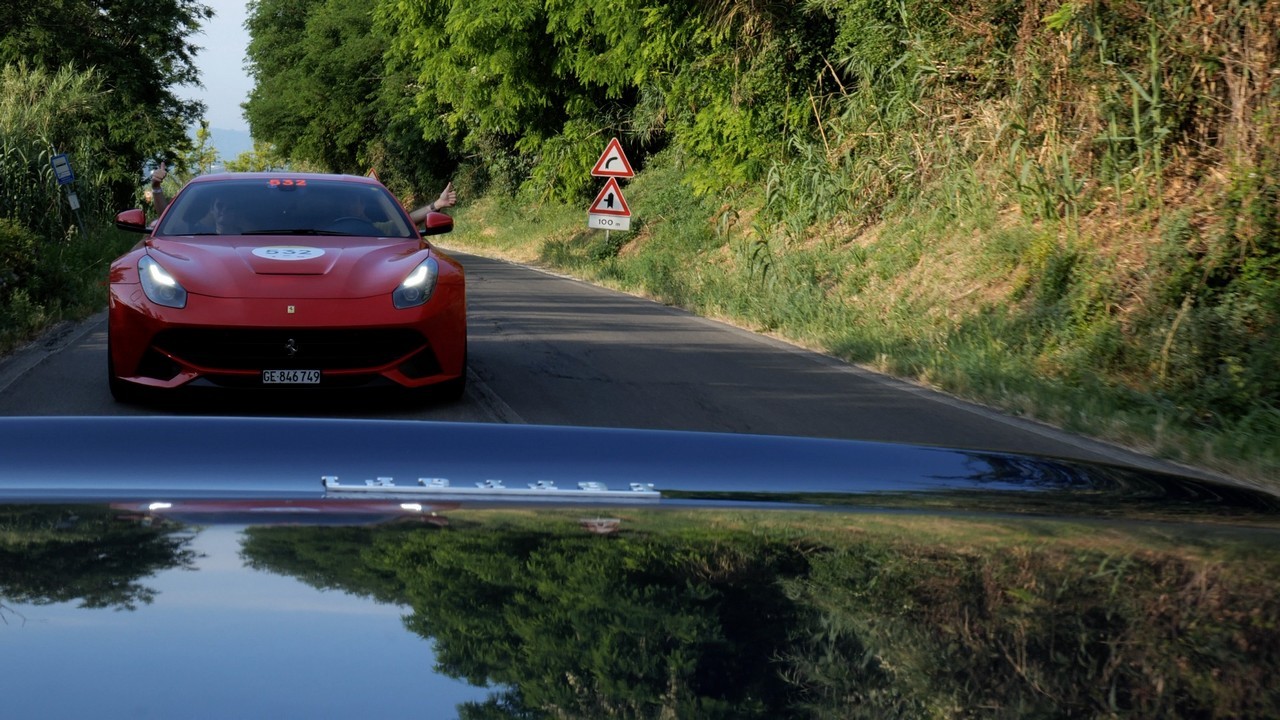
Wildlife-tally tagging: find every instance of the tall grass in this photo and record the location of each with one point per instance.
(1136, 146)
(49, 269)
(43, 113)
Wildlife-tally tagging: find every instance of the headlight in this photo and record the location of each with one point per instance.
(417, 288)
(161, 287)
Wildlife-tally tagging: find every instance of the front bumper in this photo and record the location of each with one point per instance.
(230, 342)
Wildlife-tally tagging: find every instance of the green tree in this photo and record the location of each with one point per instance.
(317, 66)
(531, 88)
(141, 51)
(528, 90)
(203, 155)
(264, 156)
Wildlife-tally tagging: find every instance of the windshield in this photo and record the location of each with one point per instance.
(285, 206)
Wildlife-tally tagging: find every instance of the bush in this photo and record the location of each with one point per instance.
(17, 257)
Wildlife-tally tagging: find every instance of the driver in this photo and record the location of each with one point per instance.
(361, 207)
(220, 220)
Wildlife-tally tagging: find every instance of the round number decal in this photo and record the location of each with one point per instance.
(288, 252)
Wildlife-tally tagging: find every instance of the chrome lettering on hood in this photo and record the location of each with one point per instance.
(541, 490)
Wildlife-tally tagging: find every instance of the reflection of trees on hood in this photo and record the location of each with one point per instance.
(326, 558)
(865, 618)
(576, 625)
(52, 554)
(592, 627)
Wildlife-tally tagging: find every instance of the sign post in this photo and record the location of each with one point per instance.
(62, 169)
(65, 176)
(609, 211)
(613, 162)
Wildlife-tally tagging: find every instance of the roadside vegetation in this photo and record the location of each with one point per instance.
(52, 259)
(1068, 210)
(106, 100)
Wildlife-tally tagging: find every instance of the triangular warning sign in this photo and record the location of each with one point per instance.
(373, 174)
(613, 162)
(610, 201)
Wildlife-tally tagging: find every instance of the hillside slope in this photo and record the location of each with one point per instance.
(1072, 213)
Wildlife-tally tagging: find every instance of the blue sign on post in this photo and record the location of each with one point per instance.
(62, 169)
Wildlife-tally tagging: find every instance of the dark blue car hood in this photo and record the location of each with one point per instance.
(225, 567)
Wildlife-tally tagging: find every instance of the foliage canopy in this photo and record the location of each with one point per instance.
(140, 51)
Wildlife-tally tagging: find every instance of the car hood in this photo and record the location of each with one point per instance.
(285, 266)
(337, 568)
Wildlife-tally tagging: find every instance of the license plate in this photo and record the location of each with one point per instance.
(291, 377)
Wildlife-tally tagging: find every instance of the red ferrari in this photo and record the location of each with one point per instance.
(268, 280)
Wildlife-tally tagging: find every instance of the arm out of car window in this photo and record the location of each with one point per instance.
(447, 198)
(158, 198)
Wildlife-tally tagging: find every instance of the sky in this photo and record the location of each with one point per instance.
(221, 63)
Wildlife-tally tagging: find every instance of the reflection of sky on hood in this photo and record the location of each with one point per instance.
(223, 642)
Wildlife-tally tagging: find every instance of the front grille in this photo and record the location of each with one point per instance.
(284, 349)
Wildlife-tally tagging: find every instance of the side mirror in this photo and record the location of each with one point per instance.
(437, 223)
(134, 220)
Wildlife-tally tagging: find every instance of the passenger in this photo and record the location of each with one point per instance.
(158, 198)
(447, 199)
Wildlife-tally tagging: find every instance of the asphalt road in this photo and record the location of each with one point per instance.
(550, 350)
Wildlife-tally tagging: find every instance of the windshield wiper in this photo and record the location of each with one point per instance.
(294, 231)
